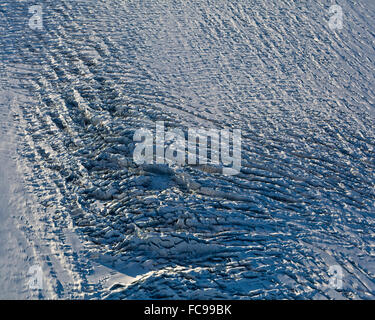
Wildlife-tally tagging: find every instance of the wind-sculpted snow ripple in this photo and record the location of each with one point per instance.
(301, 94)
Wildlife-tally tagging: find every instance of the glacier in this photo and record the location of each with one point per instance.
(80, 78)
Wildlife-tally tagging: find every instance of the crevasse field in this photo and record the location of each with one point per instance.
(74, 204)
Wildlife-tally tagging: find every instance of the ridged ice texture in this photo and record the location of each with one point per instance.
(302, 94)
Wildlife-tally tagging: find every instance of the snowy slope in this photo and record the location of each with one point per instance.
(103, 227)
